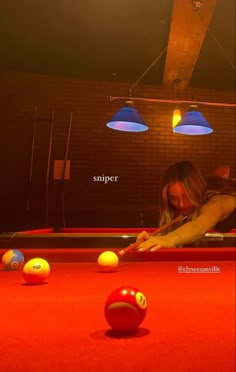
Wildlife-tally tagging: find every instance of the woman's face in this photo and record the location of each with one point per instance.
(179, 199)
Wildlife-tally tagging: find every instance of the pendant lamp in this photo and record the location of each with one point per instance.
(127, 119)
(193, 123)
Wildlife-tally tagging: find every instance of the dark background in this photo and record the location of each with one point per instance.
(63, 57)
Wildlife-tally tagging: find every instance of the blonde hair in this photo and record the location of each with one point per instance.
(194, 185)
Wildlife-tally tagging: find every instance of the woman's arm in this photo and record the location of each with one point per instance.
(215, 210)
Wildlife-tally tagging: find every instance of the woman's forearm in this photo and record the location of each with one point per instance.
(188, 233)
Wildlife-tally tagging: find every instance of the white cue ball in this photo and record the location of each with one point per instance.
(108, 262)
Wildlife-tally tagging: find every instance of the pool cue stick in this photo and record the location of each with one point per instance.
(229, 235)
(48, 169)
(64, 171)
(219, 235)
(28, 206)
(157, 231)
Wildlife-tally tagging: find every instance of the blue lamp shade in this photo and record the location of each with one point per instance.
(127, 119)
(193, 123)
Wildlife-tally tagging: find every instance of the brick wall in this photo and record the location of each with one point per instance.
(137, 159)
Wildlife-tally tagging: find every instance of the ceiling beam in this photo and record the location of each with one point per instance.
(187, 33)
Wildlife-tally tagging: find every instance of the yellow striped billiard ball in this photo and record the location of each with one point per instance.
(36, 271)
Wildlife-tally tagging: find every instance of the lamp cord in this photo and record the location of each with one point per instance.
(147, 70)
(218, 44)
(165, 49)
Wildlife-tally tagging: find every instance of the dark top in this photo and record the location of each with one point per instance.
(228, 224)
(224, 187)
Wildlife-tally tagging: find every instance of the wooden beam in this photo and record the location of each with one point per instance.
(187, 33)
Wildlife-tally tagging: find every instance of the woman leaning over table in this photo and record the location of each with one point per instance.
(208, 203)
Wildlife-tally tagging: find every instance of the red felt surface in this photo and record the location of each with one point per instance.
(60, 326)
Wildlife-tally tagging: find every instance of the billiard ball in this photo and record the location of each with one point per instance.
(125, 308)
(12, 259)
(36, 271)
(108, 261)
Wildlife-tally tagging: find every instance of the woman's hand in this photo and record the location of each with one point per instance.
(153, 243)
(143, 236)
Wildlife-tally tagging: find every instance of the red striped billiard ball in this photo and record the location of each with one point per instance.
(125, 308)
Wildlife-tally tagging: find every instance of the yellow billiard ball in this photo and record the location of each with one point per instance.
(108, 261)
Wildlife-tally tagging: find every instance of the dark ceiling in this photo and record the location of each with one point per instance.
(118, 40)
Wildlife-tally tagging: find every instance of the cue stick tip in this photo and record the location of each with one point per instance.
(121, 253)
(131, 247)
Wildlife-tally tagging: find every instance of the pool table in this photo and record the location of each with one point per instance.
(95, 238)
(60, 325)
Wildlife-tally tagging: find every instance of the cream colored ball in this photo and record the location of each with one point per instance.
(108, 261)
